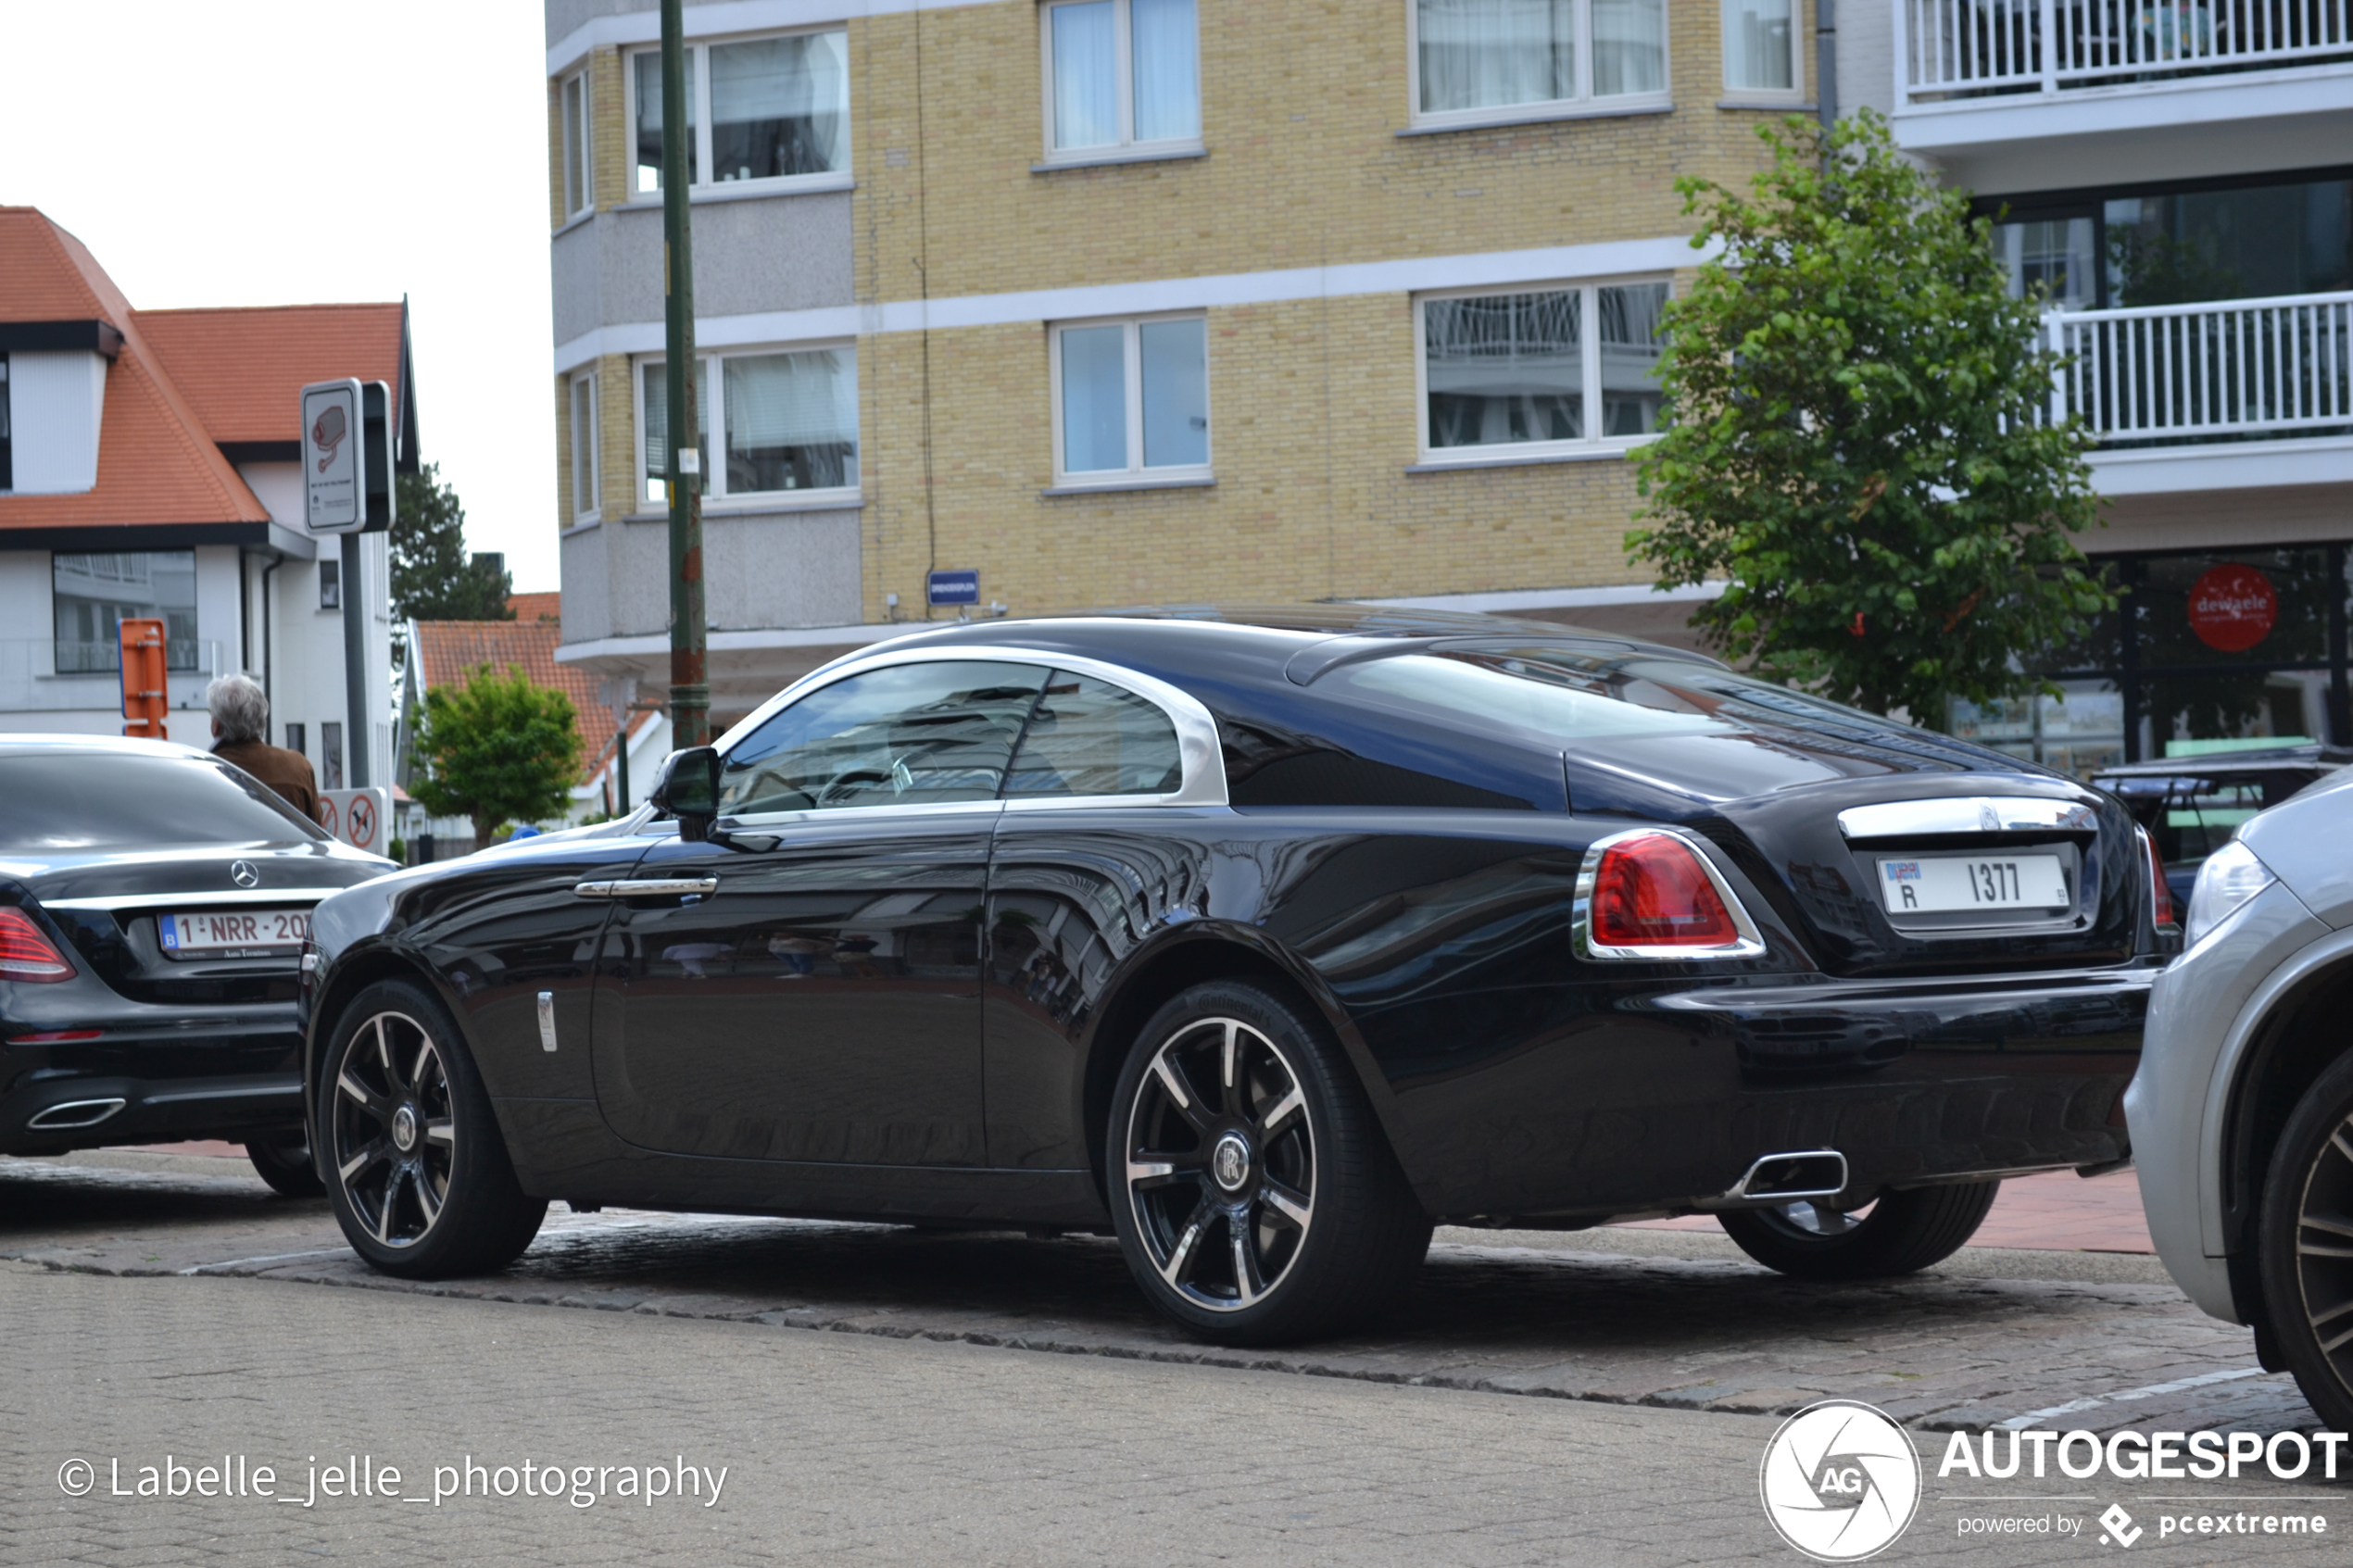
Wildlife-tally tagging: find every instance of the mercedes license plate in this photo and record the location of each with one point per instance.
(1973, 881)
(233, 933)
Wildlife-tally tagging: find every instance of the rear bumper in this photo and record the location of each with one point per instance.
(147, 1075)
(1645, 1098)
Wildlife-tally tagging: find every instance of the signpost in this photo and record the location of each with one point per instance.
(362, 817)
(959, 588)
(347, 490)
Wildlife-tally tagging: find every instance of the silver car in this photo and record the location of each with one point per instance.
(2242, 1113)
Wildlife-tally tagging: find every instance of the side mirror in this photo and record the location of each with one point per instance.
(688, 789)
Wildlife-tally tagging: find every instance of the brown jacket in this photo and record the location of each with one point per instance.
(288, 773)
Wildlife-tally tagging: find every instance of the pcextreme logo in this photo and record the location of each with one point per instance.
(1839, 1481)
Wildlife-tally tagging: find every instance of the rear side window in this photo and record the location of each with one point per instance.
(1529, 693)
(910, 734)
(1089, 737)
(71, 802)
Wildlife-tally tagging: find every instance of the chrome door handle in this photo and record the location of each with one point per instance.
(648, 887)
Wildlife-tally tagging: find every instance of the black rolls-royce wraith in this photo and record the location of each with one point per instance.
(1267, 941)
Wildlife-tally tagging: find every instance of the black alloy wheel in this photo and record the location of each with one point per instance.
(1256, 1198)
(421, 1185)
(285, 1162)
(2303, 1239)
(1897, 1233)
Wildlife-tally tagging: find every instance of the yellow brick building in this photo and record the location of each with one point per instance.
(1128, 301)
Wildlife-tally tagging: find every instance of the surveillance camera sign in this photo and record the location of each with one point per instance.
(334, 498)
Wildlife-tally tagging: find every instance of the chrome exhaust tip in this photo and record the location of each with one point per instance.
(75, 1113)
(1782, 1178)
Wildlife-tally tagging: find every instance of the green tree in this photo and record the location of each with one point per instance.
(433, 577)
(1857, 437)
(497, 749)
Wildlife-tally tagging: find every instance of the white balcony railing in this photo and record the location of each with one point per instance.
(1965, 48)
(2233, 369)
(49, 675)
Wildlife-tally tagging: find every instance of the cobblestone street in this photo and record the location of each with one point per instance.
(916, 1432)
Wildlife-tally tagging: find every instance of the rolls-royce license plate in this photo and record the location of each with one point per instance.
(233, 934)
(1973, 881)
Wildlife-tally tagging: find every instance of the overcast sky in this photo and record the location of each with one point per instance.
(270, 153)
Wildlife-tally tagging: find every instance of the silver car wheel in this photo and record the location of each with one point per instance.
(1221, 1164)
(395, 1129)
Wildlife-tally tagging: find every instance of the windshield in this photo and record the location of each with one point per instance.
(85, 801)
(1538, 691)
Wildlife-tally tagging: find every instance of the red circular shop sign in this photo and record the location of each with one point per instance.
(2232, 607)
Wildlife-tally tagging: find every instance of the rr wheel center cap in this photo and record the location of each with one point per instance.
(1229, 1161)
(404, 1128)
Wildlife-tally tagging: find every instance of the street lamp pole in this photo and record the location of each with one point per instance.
(689, 654)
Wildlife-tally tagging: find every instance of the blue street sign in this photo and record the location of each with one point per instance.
(954, 587)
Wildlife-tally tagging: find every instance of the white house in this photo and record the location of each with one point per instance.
(150, 466)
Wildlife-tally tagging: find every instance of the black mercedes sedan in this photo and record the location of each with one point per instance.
(153, 907)
(1266, 941)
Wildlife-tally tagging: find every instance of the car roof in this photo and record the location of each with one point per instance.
(1273, 632)
(2317, 758)
(127, 746)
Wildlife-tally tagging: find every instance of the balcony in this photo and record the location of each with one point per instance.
(2210, 395)
(45, 675)
(1973, 73)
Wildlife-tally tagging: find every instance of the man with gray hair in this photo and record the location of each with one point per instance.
(240, 727)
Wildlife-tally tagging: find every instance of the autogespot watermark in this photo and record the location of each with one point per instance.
(1841, 1481)
(360, 1478)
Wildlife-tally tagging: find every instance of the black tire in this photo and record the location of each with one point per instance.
(285, 1162)
(434, 1197)
(1903, 1233)
(2303, 1245)
(1310, 1228)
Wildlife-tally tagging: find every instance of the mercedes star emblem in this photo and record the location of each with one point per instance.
(244, 874)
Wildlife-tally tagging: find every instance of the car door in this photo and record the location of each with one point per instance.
(805, 985)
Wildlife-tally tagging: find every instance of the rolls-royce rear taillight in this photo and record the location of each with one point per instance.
(2160, 895)
(1652, 894)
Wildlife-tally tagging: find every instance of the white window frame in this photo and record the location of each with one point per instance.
(1589, 339)
(584, 456)
(1135, 475)
(1124, 67)
(1583, 106)
(706, 188)
(1769, 96)
(714, 434)
(566, 109)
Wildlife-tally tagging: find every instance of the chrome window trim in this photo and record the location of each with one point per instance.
(1966, 814)
(1198, 752)
(814, 816)
(1750, 943)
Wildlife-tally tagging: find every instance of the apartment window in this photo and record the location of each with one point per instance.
(1540, 373)
(583, 444)
(1482, 61)
(2052, 257)
(787, 423)
(757, 109)
(579, 195)
(296, 742)
(331, 584)
(1760, 47)
(1121, 73)
(93, 595)
(1131, 398)
(330, 756)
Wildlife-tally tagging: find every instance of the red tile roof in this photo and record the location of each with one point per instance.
(186, 382)
(243, 370)
(537, 607)
(448, 650)
(157, 462)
